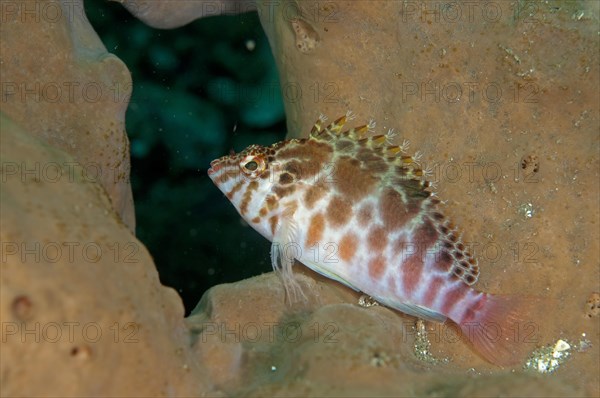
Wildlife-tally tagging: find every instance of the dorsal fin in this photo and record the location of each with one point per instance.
(318, 126)
(376, 154)
(334, 127)
(337, 125)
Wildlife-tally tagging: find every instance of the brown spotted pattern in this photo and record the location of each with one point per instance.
(352, 182)
(253, 186)
(371, 201)
(377, 239)
(377, 267)
(412, 269)
(395, 213)
(348, 246)
(365, 215)
(313, 194)
(316, 227)
(273, 221)
(338, 211)
(454, 256)
(236, 188)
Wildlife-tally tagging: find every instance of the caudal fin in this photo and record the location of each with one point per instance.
(501, 328)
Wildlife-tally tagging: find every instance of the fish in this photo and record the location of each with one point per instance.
(359, 210)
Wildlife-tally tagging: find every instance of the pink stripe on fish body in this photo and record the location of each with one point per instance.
(359, 211)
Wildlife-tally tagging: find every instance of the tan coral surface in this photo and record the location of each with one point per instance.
(83, 312)
(330, 346)
(519, 171)
(60, 84)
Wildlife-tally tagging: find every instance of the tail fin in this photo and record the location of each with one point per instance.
(501, 329)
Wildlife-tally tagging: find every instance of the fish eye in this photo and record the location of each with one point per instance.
(251, 165)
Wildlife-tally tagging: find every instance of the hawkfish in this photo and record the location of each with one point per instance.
(359, 210)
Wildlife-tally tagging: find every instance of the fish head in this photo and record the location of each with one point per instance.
(249, 179)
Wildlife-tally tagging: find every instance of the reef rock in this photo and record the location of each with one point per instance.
(259, 345)
(169, 14)
(61, 85)
(83, 312)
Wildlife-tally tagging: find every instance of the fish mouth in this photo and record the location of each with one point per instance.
(216, 165)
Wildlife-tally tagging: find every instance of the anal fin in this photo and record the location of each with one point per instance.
(328, 274)
(413, 309)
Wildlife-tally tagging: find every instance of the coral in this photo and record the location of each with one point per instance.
(306, 37)
(169, 14)
(330, 346)
(592, 307)
(62, 86)
(83, 312)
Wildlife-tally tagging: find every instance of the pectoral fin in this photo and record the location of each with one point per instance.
(284, 250)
